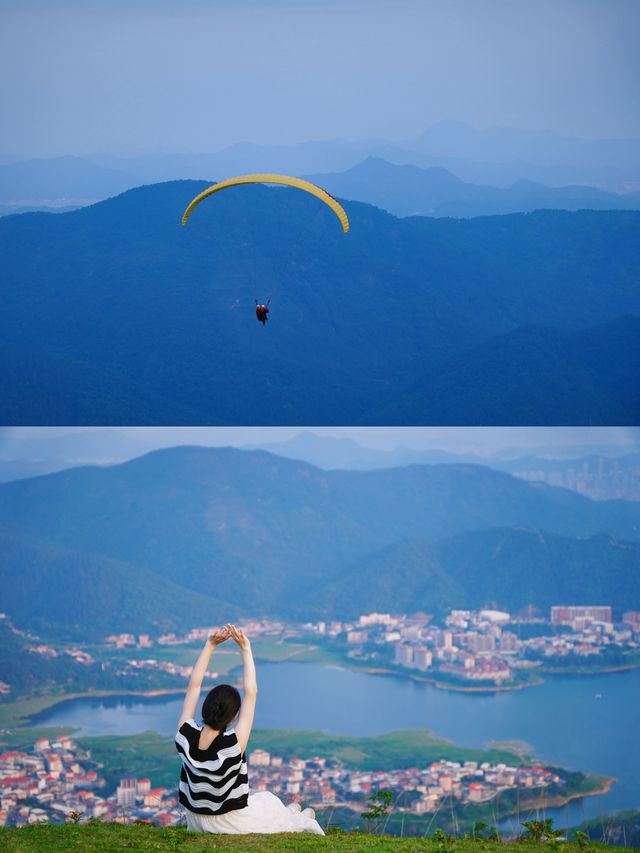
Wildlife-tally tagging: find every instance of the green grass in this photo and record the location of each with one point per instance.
(14, 714)
(147, 754)
(104, 838)
(226, 659)
(628, 660)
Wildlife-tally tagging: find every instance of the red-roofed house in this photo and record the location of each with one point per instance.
(154, 797)
(328, 795)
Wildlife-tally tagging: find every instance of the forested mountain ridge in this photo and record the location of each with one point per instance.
(499, 567)
(590, 376)
(194, 527)
(84, 595)
(129, 312)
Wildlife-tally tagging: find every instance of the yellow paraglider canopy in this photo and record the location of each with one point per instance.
(288, 181)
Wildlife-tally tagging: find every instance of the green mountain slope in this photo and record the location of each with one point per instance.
(85, 596)
(504, 568)
(591, 376)
(122, 299)
(268, 535)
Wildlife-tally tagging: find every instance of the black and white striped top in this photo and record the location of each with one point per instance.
(212, 780)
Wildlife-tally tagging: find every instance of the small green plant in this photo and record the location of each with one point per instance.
(74, 817)
(478, 828)
(583, 841)
(377, 808)
(542, 830)
(444, 840)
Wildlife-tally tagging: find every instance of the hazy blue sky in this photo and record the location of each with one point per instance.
(481, 440)
(132, 76)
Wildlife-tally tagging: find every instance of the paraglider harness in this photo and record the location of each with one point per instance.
(262, 310)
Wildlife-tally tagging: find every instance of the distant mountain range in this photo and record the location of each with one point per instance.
(411, 191)
(73, 178)
(495, 157)
(115, 314)
(329, 452)
(604, 468)
(540, 147)
(36, 207)
(602, 472)
(66, 183)
(37, 453)
(185, 529)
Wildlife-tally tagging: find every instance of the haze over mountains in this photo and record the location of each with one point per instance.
(116, 314)
(411, 191)
(599, 471)
(74, 179)
(253, 532)
(27, 455)
(494, 157)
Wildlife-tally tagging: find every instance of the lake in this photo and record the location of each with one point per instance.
(562, 719)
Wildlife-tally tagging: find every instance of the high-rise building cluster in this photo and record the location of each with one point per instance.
(597, 478)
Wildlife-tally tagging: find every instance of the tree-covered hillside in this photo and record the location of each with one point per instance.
(132, 318)
(192, 530)
(587, 373)
(86, 595)
(505, 568)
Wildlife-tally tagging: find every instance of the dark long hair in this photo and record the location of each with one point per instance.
(220, 706)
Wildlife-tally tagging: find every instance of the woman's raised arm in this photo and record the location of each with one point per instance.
(249, 685)
(198, 673)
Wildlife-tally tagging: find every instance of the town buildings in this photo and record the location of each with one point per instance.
(58, 781)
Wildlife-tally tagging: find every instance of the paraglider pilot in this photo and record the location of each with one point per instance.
(261, 312)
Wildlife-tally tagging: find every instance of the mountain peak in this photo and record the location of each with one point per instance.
(193, 517)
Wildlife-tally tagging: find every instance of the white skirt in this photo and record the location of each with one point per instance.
(264, 813)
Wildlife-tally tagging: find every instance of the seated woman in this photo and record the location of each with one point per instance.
(214, 787)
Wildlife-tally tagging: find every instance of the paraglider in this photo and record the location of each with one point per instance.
(286, 180)
(262, 310)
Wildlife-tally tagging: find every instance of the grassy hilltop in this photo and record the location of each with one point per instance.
(112, 837)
